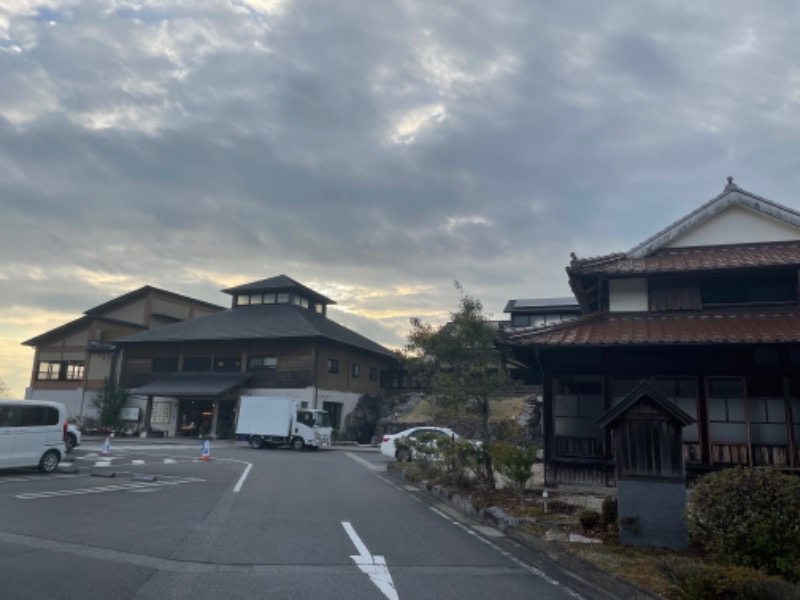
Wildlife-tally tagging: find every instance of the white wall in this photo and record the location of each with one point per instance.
(737, 225)
(627, 295)
(71, 399)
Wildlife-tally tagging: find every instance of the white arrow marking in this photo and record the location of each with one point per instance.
(374, 566)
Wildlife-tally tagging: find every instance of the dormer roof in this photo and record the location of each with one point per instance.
(279, 283)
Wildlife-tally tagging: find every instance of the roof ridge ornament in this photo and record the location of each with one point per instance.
(731, 186)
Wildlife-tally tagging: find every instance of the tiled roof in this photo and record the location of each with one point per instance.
(192, 384)
(692, 259)
(603, 329)
(259, 322)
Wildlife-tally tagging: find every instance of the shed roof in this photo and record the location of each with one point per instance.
(644, 390)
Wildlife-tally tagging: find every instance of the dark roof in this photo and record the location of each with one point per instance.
(192, 384)
(706, 258)
(258, 322)
(76, 324)
(623, 329)
(280, 283)
(544, 304)
(119, 300)
(644, 389)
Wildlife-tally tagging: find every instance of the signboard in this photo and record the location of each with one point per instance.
(130, 413)
(161, 412)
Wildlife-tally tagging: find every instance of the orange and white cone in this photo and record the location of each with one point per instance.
(206, 455)
(106, 447)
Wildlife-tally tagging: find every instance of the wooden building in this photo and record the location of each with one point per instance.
(275, 340)
(72, 361)
(707, 311)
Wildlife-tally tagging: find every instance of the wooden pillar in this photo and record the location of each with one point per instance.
(148, 414)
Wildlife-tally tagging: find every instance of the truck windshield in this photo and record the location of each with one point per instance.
(322, 419)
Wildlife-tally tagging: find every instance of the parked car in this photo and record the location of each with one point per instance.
(389, 448)
(32, 434)
(73, 438)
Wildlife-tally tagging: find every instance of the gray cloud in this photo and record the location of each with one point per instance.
(380, 146)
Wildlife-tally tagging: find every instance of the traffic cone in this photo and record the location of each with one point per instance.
(106, 447)
(206, 455)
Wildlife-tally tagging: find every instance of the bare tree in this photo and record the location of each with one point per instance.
(4, 391)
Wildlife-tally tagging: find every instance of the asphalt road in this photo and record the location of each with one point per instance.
(250, 524)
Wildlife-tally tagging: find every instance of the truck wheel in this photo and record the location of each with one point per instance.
(298, 444)
(255, 441)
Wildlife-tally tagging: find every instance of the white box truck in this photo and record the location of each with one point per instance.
(279, 422)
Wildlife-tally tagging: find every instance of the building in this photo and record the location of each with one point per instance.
(71, 362)
(535, 312)
(707, 312)
(275, 340)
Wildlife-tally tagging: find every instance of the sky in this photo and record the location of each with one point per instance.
(375, 151)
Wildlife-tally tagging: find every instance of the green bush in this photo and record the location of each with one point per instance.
(693, 582)
(749, 518)
(515, 463)
(589, 519)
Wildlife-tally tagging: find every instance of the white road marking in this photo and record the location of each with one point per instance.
(508, 555)
(373, 566)
(137, 462)
(108, 488)
(240, 483)
(366, 463)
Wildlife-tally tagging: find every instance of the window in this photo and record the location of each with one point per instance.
(578, 403)
(767, 411)
(256, 299)
(333, 365)
(262, 362)
(683, 392)
(197, 364)
(60, 370)
(39, 415)
(319, 309)
(356, 370)
(165, 364)
(227, 364)
(242, 300)
(269, 298)
(726, 411)
(766, 288)
(282, 298)
(373, 374)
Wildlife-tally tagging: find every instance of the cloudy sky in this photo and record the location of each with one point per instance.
(375, 150)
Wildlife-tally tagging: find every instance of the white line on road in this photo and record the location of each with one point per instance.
(240, 483)
(373, 566)
(106, 488)
(508, 555)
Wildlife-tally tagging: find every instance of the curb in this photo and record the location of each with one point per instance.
(494, 516)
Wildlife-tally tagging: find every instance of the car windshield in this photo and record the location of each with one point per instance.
(322, 419)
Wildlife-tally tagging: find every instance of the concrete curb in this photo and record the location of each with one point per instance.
(494, 516)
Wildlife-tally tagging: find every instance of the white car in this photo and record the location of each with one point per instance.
(73, 437)
(388, 447)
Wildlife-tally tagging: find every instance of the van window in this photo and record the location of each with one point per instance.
(39, 415)
(7, 414)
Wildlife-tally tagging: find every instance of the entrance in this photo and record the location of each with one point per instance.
(195, 417)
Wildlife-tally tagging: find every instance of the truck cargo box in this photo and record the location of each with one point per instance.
(267, 416)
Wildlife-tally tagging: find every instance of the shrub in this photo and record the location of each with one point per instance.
(693, 582)
(749, 518)
(589, 519)
(515, 463)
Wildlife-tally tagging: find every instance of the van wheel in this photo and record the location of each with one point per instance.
(70, 442)
(298, 444)
(49, 461)
(256, 441)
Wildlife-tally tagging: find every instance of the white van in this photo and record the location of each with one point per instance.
(32, 434)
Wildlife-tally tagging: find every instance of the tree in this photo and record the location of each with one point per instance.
(109, 403)
(459, 362)
(4, 391)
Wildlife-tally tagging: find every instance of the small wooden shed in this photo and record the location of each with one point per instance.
(647, 440)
